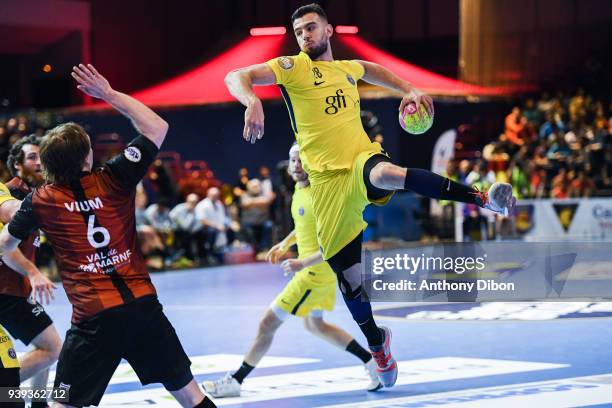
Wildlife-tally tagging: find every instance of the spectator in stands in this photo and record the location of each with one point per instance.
(188, 231)
(549, 126)
(518, 179)
(267, 189)
(163, 182)
(464, 170)
(150, 242)
(255, 221)
(560, 184)
(241, 184)
(578, 108)
(158, 216)
(515, 125)
(211, 214)
(531, 113)
(582, 186)
(559, 150)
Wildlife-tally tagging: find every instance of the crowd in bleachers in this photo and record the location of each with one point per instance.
(557, 147)
(550, 147)
(185, 216)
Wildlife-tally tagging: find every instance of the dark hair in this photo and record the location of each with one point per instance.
(16, 154)
(309, 8)
(63, 151)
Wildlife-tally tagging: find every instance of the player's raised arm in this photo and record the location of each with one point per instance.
(147, 122)
(378, 75)
(240, 84)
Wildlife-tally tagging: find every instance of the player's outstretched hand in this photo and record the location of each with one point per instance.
(42, 288)
(253, 121)
(275, 253)
(291, 266)
(418, 98)
(91, 82)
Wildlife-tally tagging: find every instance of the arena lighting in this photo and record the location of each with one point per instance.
(341, 29)
(258, 31)
(427, 81)
(204, 84)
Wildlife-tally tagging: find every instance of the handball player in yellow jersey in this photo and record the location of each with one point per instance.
(347, 171)
(311, 291)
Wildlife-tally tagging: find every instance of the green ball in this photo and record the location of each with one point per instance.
(411, 122)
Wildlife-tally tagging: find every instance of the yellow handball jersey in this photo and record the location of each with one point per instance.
(306, 235)
(324, 107)
(8, 356)
(5, 195)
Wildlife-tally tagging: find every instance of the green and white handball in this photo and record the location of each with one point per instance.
(412, 123)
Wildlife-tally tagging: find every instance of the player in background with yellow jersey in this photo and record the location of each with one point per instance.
(346, 170)
(311, 291)
(42, 287)
(9, 368)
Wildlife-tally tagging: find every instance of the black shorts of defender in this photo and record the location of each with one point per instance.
(351, 253)
(139, 332)
(23, 320)
(9, 377)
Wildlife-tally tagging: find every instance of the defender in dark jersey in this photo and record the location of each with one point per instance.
(88, 217)
(23, 317)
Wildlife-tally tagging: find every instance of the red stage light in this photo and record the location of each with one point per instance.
(347, 29)
(257, 31)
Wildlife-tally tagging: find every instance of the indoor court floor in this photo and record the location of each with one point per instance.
(463, 355)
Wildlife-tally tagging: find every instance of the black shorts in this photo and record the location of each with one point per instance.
(22, 319)
(139, 332)
(9, 377)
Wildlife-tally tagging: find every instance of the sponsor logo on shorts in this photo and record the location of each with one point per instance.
(36, 243)
(64, 386)
(37, 310)
(12, 354)
(133, 154)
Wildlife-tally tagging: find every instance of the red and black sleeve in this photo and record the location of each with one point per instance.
(25, 221)
(131, 165)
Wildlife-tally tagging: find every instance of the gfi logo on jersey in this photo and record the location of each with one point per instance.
(335, 103)
(133, 154)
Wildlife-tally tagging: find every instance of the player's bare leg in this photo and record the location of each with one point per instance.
(231, 384)
(36, 362)
(268, 325)
(191, 395)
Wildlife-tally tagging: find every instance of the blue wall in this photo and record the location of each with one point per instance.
(214, 133)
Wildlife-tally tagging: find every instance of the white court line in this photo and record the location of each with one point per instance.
(320, 382)
(563, 393)
(207, 364)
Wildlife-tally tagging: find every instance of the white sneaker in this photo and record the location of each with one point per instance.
(375, 383)
(499, 199)
(224, 387)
